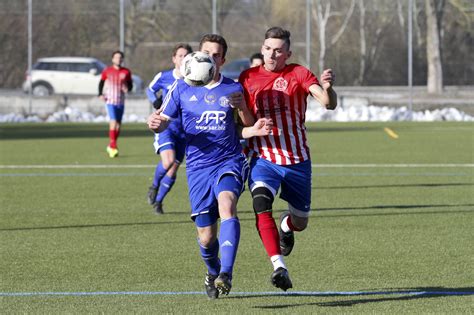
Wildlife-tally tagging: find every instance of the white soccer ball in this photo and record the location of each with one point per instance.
(198, 68)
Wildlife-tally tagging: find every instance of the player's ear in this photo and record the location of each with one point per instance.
(289, 53)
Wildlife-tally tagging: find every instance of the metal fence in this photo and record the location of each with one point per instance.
(148, 29)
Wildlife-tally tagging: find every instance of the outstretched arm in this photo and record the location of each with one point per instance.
(262, 127)
(325, 95)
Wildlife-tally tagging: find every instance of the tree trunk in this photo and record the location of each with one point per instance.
(433, 47)
(363, 44)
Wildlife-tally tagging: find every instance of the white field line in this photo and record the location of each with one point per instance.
(127, 166)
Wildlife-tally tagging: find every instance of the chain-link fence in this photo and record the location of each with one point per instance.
(364, 41)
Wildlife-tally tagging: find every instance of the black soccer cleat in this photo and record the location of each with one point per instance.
(151, 195)
(281, 279)
(209, 284)
(223, 283)
(158, 207)
(287, 239)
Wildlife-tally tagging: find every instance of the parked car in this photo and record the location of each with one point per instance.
(233, 69)
(69, 75)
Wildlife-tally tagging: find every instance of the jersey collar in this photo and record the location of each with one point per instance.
(213, 85)
(176, 76)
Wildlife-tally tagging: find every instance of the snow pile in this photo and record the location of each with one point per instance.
(69, 114)
(360, 111)
(356, 111)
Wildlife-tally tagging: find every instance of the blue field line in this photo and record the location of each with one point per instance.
(319, 174)
(269, 293)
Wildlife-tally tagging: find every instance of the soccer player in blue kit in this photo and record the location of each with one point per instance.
(169, 144)
(215, 166)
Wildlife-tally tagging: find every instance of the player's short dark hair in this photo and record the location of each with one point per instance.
(256, 56)
(280, 33)
(214, 38)
(182, 45)
(118, 52)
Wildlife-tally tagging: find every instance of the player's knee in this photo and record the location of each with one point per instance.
(167, 163)
(206, 239)
(299, 223)
(262, 199)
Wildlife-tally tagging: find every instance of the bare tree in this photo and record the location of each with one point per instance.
(434, 15)
(372, 36)
(321, 13)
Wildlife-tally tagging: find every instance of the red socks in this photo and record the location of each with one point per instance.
(268, 232)
(113, 135)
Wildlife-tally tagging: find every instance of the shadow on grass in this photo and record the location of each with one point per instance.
(385, 295)
(382, 207)
(95, 130)
(66, 130)
(104, 225)
(394, 186)
(180, 213)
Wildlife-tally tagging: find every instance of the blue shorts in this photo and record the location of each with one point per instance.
(205, 185)
(295, 182)
(169, 140)
(115, 112)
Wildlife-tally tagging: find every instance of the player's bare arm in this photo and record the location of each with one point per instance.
(237, 101)
(262, 127)
(156, 122)
(325, 94)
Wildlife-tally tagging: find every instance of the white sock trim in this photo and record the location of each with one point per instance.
(284, 224)
(278, 262)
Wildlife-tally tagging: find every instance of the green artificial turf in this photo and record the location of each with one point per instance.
(73, 220)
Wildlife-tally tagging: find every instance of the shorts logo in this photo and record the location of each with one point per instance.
(280, 84)
(212, 115)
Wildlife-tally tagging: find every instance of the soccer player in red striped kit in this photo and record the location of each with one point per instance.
(281, 160)
(117, 81)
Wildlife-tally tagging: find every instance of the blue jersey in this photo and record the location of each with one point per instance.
(207, 119)
(163, 81)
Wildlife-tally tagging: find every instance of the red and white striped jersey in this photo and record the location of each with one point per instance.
(115, 83)
(281, 96)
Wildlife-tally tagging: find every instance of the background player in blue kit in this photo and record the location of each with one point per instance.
(169, 144)
(215, 166)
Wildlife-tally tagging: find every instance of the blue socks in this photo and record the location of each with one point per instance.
(210, 256)
(229, 237)
(163, 182)
(228, 243)
(160, 171)
(165, 186)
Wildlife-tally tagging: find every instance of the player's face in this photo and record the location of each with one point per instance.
(256, 62)
(117, 60)
(275, 53)
(216, 51)
(179, 56)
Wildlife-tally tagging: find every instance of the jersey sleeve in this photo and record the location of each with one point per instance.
(154, 87)
(103, 76)
(128, 76)
(307, 78)
(171, 102)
